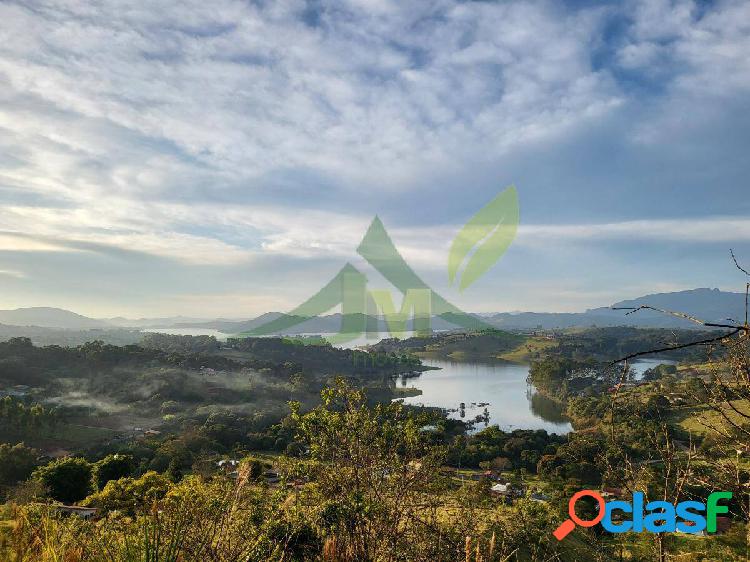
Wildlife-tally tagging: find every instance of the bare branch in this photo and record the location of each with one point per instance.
(729, 326)
(744, 415)
(670, 312)
(684, 316)
(735, 331)
(743, 270)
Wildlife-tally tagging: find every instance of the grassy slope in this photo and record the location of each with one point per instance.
(482, 346)
(530, 349)
(6, 527)
(700, 419)
(64, 436)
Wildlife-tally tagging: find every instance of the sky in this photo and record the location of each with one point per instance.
(225, 158)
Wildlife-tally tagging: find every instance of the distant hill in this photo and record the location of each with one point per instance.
(69, 337)
(711, 305)
(46, 317)
(708, 304)
(327, 324)
(168, 322)
(231, 326)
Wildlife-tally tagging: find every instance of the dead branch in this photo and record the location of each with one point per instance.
(743, 270)
(678, 315)
(736, 330)
(664, 311)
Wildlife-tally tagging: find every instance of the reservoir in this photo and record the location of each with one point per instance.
(512, 402)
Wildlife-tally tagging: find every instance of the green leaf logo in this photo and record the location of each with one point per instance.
(491, 232)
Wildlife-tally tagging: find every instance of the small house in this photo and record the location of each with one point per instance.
(501, 490)
(272, 477)
(78, 511)
(609, 492)
(722, 525)
(691, 524)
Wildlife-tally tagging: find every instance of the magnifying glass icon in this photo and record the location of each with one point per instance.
(569, 524)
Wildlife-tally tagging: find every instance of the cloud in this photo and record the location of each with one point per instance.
(429, 245)
(123, 112)
(259, 138)
(703, 47)
(690, 231)
(246, 91)
(12, 273)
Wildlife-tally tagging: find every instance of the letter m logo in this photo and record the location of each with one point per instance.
(416, 300)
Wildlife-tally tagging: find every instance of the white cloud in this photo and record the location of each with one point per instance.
(12, 273)
(208, 133)
(249, 91)
(699, 230)
(429, 245)
(697, 53)
(123, 109)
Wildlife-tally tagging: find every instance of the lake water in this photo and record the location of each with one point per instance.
(513, 403)
(641, 365)
(221, 336)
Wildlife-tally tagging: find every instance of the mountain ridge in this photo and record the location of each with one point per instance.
(712, 305)
(49, 317)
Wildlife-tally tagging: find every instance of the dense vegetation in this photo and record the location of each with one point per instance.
(483, 344)
(264, 453)
(170, 382)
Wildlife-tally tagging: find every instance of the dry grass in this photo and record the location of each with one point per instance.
(700, 419)
(528, 350)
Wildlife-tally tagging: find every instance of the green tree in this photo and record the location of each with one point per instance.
(130, 495)
(111, 467)
(67, 480)
(254, 468)
(16, 463)
(373, 470)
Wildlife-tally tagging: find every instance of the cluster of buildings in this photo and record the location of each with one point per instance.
(504, 490)
(231, 467)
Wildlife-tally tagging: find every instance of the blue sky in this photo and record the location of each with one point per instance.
(225, 158)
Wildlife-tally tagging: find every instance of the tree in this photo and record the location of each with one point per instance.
(529, 459)
(726, 394)
(67, 480)
(16, 463)
(254, 468)
(131, 494)
(500, 464)
(674, 472)
(373, 471)
(111, 467)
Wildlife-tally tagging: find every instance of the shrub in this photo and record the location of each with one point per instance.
(67, 480)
